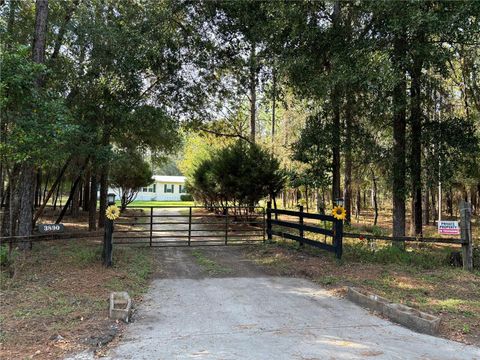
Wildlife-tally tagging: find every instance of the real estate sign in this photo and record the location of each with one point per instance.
(448, 227)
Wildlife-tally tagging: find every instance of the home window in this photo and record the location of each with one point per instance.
(150, 188)
(168, 188)
(181, 189)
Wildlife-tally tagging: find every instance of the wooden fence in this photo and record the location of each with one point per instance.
(335, 232)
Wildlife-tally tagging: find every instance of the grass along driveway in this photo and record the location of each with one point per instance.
(59, 297)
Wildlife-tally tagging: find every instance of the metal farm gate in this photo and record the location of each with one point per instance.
(162, 226)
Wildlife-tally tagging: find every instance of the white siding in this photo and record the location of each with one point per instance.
(171, 182)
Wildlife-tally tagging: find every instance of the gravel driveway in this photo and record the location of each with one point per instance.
(213, 303)
(244, 314)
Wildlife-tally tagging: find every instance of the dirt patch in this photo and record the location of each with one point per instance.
(448, 292)
(58, 300)
(206, 261)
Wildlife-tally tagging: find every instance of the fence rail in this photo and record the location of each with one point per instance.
(50, 237)
(336, 233)
(404, 238)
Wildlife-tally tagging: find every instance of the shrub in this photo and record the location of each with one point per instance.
(186, 197)
(241, 174)
(6, 259)
(129, 172)
(476, 257)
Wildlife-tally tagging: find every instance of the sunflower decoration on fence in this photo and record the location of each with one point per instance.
(112, 212)
(339, 212)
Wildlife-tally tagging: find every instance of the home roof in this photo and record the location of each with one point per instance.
(171, 179)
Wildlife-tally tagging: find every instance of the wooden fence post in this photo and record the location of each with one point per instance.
(151, 225)
(300, 220)
(226, 226)
(269, 221)
(189, 226)
(107, 243)
(338, 238)
(466, 235)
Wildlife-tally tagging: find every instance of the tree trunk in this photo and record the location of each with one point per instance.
(73, 190)
(104, 179)
(103, 196)
(450, 201)
(57, 195)
(374, 196)
(14, 199)
(44, 191)
(26, 200)
(416, 143)
(336, 102)
(253, 92)
(92, 208)
(86, 191)
(347, 190)
(434, 205)
(38, 188)
(5, 229)
(40, 34)
(52, 189)
(399, 131)
(358, 202)
(76, 200)
(478, 198)
(275, 206)
(63, 28)
(2, 188)
(27, 170)
(123, 201)
(426, 206)
(274, 100)
(336, 147)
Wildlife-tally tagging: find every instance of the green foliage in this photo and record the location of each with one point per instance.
(186, 197)
(196, 149)
(36, 124)
(138, 264)
(457, 147)
(5, 260)
(422, 258)
(129, 172)
(83, 255)
(242, 174)
(313, 148)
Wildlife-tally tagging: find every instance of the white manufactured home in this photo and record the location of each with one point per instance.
(164, 188)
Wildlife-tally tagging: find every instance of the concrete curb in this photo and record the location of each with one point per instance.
(120, 306)
(401, 314)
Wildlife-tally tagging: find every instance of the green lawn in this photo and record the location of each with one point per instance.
(159, 203)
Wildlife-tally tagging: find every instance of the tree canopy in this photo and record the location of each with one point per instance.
(347, 96)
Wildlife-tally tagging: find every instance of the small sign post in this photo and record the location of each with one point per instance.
(108, 236)
(467, 243)
(448, 227)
